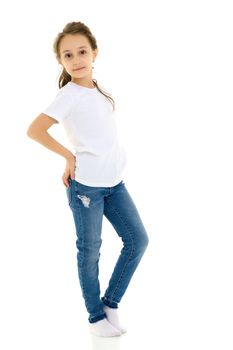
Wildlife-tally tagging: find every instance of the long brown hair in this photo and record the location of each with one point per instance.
(76, 28)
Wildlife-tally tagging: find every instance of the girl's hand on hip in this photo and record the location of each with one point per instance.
(69, 170)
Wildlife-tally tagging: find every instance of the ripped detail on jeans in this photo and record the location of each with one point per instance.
(85, 200)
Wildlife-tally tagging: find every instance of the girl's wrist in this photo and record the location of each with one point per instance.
(69, 156)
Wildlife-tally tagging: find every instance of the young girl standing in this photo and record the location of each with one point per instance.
(92, 176)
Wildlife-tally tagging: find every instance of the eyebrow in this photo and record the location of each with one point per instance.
(80, 47)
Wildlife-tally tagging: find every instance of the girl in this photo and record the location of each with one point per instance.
(93, 175)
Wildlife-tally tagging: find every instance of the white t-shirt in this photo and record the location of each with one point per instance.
(89, 121)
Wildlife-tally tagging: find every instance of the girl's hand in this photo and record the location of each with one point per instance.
(69, 170)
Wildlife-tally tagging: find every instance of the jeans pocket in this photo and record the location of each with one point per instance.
(69, 192)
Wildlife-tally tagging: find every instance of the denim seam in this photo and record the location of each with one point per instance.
(81, 229)
(130, 255)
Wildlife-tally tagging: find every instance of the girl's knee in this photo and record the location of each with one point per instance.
(144, 242)
(141, 243)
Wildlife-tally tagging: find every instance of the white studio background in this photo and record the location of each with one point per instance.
(168, 64)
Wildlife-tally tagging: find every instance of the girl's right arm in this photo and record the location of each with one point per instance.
(37, 130)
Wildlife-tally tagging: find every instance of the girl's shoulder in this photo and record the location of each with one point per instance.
(67, 91)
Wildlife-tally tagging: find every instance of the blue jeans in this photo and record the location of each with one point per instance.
(88, 205)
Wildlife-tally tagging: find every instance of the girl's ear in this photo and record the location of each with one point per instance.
(59, 61)
(95, 53)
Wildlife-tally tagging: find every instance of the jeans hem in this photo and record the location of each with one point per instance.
(109, 303)
(96, 318)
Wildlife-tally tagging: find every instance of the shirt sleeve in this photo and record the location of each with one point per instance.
(61, 106)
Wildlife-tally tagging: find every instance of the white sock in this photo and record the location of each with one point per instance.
(103, 328)
(113, 318)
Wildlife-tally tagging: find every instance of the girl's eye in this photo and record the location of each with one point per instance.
(67, 55)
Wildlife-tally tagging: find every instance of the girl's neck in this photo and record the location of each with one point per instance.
(85, 83)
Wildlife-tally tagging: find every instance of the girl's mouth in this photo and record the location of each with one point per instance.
(79, 68)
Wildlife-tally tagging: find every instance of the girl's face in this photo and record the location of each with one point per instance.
(76, 56)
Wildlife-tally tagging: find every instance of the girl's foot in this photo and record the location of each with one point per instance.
(103, 328)
(113, 318)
